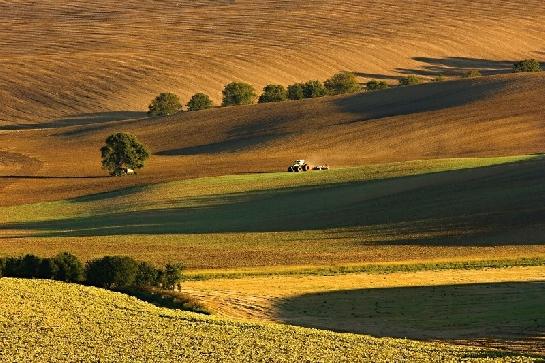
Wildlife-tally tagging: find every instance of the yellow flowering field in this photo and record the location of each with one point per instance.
(47, 321)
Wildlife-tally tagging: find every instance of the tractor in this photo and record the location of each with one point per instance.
(299, 165)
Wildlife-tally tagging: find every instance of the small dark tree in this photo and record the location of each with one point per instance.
(30, 266)
(112, 272)
(341, 83)
(295, 91)
(313, 89)
(147, 275)
(273, 93)
(199, 101)
(374, 85)
(164, 105)
(171, 276)
(48, 269)
(238, 93)
(410, 81)
(123, 151)
(527, 65)
(2, 266)
(68, 268)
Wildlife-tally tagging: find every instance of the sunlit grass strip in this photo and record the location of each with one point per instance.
(367, 268)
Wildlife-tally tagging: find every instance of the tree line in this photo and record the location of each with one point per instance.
(109, 272)
(240, 93)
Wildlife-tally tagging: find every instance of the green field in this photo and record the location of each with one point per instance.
(450, 209)
(66, 322)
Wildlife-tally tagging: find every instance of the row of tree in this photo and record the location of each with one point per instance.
(110, 272)
(239, 93)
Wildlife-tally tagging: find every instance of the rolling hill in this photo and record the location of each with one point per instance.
(65, 58)
(44, 320)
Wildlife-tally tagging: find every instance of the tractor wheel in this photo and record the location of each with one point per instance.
(298, 169)
(290, 169)
(306, 167)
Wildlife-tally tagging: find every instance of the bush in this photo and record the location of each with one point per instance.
(238, 93)
(410, 81)
(472, 74)
(341, 83)
(313, 89)
(147, 276)
(2, 266)
(438, 78)
(112, 272)
(48, 269)
(273, 93)
(165, 104)
(199, 101)
(68, 268)
(527, 65)
(171, 276)
(123, 151)
(295, 91)
(374, 85)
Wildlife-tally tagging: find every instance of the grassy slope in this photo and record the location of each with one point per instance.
(68, 322)
(415, 211)
(65, 57)
(481, 117)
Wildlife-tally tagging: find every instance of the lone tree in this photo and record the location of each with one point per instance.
(122, 152)
(199, 101)
(238, 93)
(374, 85)
(295, 91)
(313, 89)
(165, 104)
(410, 81)
(343, 82)
(527, 65)
(273, 93)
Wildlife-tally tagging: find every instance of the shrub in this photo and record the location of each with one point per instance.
(295, 91)
(123, 151)
(171, 276)
(238, 93)
(374, 85)
(438, 78)
(112, 272)
(68, 268)
(472, 74)
(165, 104)
(273, 93)
(2, 266)
(341, 83)
(147, 276)
(199, 101)
(527, 65)
(410, 81)
(48, 269)
(313, 89)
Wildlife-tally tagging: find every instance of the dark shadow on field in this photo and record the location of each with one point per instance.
(488, 313)
(402, 101)
(482, 206)
(80, 120)
(449, 67)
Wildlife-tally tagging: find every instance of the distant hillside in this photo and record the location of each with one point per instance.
(62, 58)
(490, 116)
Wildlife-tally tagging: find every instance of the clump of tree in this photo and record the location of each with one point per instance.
(473, 73)
(63, 267)
(238, 93)
(296, 91)
(374, 85)
(165, 104)
(121, 152)
(273, 93)
(314, 89)
(527, 65)
(199, 101)
(341, 83)
(111, 272)
(410, 81)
